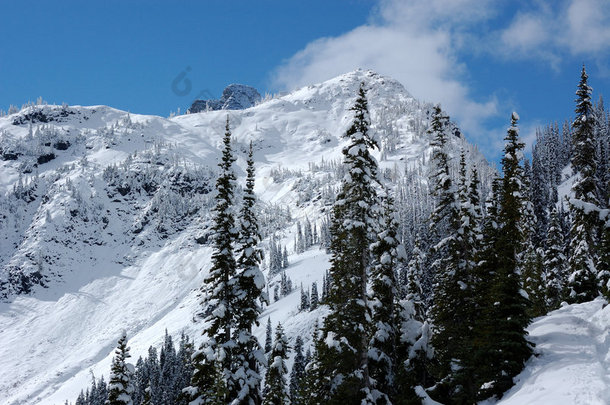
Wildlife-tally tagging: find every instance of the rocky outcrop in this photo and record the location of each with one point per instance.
(234, 97)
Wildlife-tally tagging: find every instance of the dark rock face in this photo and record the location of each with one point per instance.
(44, 114)
(234, 97)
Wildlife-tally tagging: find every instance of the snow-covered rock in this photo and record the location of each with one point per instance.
(234, 97)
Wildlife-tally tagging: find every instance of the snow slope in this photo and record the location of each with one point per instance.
(573, 362)
(103, 218)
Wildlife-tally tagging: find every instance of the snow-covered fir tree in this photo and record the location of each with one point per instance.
(388, 257)
(411, 280)
(583, 281)
(214, 359)
(120, 385)
(342, 349)
(297, 373)
(269, 337)
(531, 258)
(304, 300)
(276, 388)
(249, 285)
(452, 310)
(555, 263)
(315, 300)
(504, 311)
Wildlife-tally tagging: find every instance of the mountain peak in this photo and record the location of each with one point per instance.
(234, 97)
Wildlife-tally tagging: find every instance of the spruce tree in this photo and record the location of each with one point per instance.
(120, 386)
(185, 355)
(388, 256)
(269, 337)
(304, 300)
(249, 283)
(80, 400)
(214, 358)
(452, 311)
(314, 302)
(603, 264)
(298, 372)
(413, 354)
(101, 394)
(413, 280)
(505, 307)
(530, 259)
(343, 351)
(583, 281)
(555, 263)
(276, 392)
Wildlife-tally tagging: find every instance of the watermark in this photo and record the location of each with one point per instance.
(182, 87)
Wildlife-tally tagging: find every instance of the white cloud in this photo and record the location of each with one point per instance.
(553, 28)
(413, 42)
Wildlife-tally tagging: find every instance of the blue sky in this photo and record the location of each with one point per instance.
(480, 58)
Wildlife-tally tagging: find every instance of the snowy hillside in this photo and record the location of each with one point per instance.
(103, 218)
(573, 362)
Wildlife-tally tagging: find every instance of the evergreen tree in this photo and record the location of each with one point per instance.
(530, 259)
(583, 281)
(140, 380)
(388, 256)
(101, 394)
(304, 300)
(80, 400)
(120, 387)
(276, 392)
(603, 264)
(153, 371)
(453, 305)
(412, 280)
(298, 371)
(269, 337)
(316, 383)
(532, 272)
(413, 354)
(219, 291)
(300, 241)
(285, 284)
(250, 283)
(343, 346)
(314, 296)
(183, 377)
(504, 312)
(169, 364)
(285, 258)
(554, 263)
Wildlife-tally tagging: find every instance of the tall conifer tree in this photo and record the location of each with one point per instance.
(343, 347)
(214, 359)
(583, 282)
(276, 389)
(389, 255)
(506, 307)
(120, 386)
(554, 263)
(250, 283)
(452, 308)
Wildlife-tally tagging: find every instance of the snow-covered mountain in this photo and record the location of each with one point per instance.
(104, 217)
